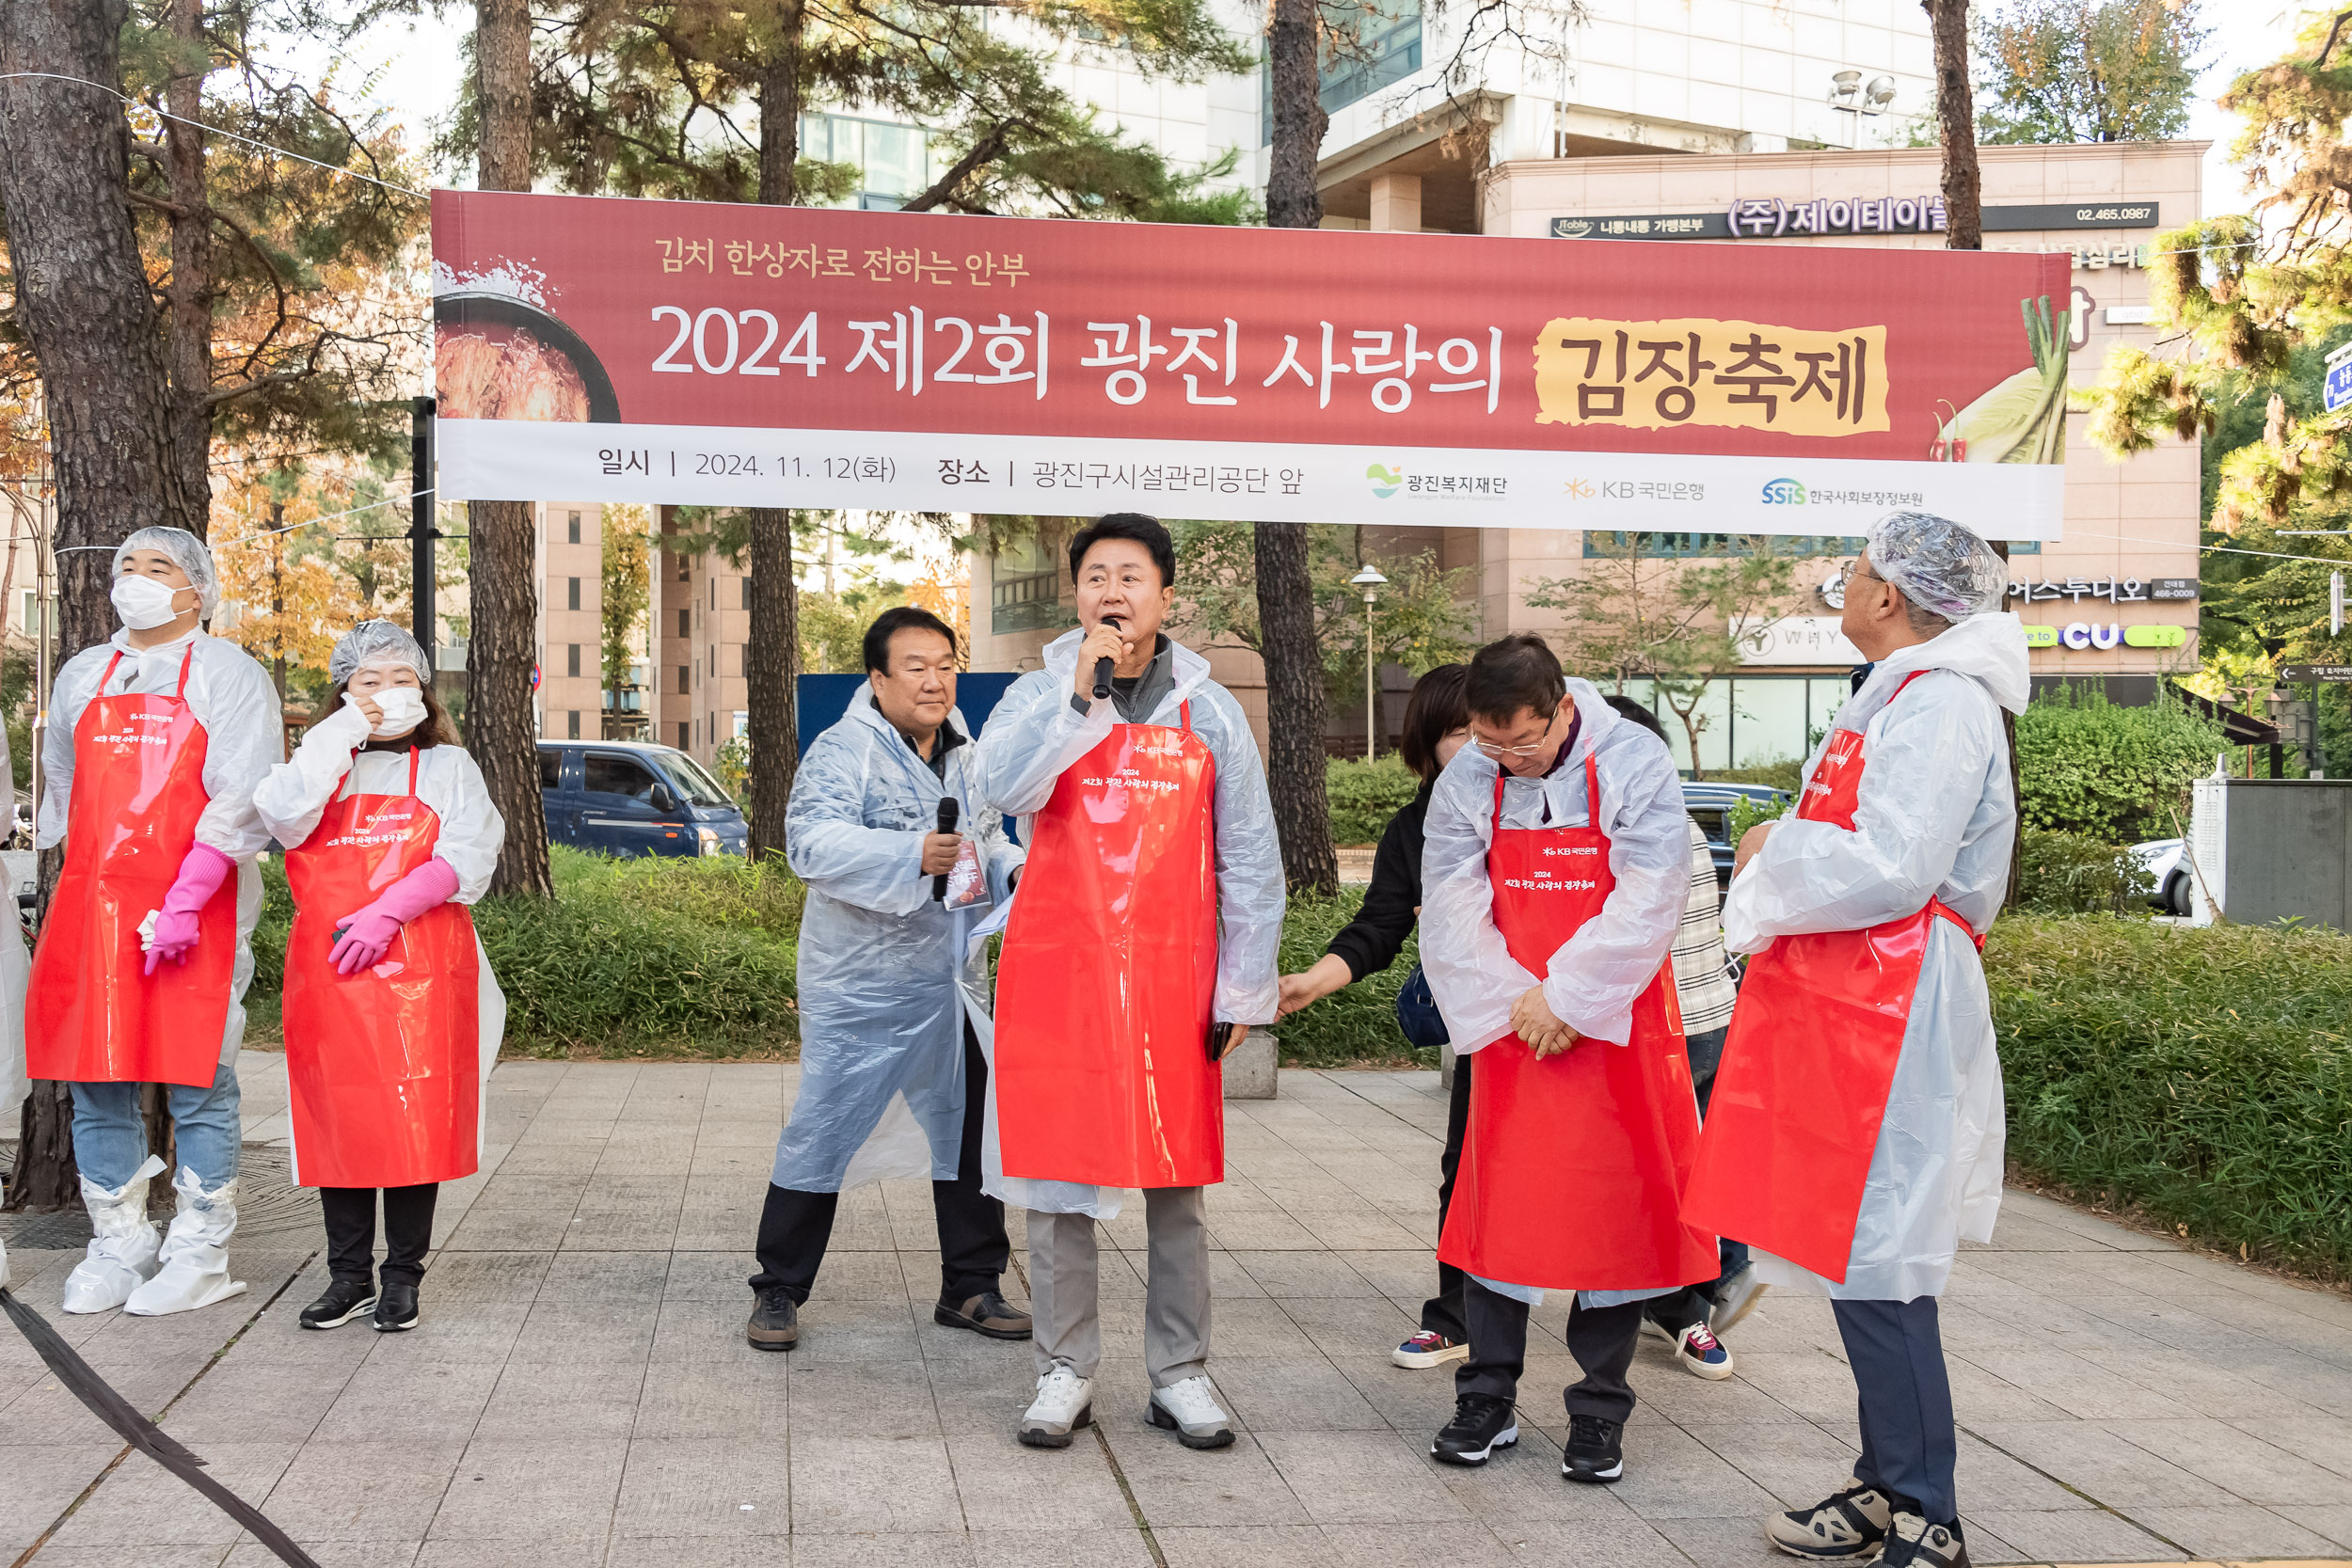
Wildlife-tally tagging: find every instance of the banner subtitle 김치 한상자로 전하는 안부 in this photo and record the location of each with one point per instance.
(732, 354)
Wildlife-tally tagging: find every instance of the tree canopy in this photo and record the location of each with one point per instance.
(2087, 70)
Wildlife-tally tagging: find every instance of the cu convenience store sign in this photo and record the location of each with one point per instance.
(732, 354)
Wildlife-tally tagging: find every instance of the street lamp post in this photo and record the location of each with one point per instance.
(1369, 579)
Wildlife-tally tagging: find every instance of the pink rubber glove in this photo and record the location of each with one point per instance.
(368, 933)
(200, 875)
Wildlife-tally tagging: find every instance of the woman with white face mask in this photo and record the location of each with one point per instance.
(155, 741)
(392, 1016)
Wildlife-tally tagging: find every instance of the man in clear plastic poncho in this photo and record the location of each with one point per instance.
(156, 740)
(891, 1079)
(1855, 1130)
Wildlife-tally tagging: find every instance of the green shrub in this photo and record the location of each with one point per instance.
(1787, 774)
(2071, 874)
(2116, 774)
(1364, 795)
(1355, 1025)
(1746, 812)
(2202, 1075)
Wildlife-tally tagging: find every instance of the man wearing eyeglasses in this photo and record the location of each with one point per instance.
(1861, 1071)
(1554, 872)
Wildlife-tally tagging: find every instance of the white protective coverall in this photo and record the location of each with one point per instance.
(881, 1017)
(326, 767)
(231, 697)
(1034, 736)
(1594, 979)
(1935, 817)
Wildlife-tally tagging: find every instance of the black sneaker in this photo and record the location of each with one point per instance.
(344, 1300)
(396, 1308)
(1596, 1450)
(1482, 1424)
(1912, 1542)
(987, 1313)
(775, 1321)
(1848, 1524)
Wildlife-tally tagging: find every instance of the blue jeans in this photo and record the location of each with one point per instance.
(110, 1139)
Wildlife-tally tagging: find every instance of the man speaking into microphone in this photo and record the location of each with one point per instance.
(891, 1079)
(1140, 949)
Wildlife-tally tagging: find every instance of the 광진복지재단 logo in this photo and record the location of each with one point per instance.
(1784, 492)
(1386, 481)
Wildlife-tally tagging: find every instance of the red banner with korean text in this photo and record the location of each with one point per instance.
(735, 355)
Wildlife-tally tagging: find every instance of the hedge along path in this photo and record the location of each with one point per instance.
(2203, 1074)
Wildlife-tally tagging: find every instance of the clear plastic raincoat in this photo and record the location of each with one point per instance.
(1935, 817)
(1036, 733)
(233, 698)
(881, 1016)
(16, 968)
(1594, 979)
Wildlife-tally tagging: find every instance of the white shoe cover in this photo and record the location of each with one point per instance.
(121, 1254)
(195, 1256)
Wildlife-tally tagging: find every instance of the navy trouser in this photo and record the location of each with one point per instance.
(1909, 1446)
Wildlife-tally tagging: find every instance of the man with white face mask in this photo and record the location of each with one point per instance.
(155, 741)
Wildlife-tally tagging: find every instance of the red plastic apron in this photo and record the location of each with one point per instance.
(384, 1065)
(1573, 1166)
(93, 1014)
(1809, 1060)
(1108, 971)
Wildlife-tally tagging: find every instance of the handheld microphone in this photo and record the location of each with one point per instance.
(947, 809)
(1103, 666)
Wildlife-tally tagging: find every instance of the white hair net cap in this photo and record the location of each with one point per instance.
(187, 553)
(1938, 564)
(376, 642)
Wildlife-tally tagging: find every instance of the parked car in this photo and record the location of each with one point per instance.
(1711, 805)
(2168, 868)
(625, 799)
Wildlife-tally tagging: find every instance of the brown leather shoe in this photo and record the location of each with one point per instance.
(775, 1323)
(987, 1313)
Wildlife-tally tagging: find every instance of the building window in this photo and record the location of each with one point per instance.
(571, 658)
(682, 736)
(1024, 580)
(684, 630)
(895, 161)
(714, 593)
(684, 677)
(1386, 50)
(747, 591)
(572, 528)
(571, 592)
(571, 729)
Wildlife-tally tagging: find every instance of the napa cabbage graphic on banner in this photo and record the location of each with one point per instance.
(718, 354)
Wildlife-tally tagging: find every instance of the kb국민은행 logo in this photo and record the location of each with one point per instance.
(1782, 492)
(1386, 481)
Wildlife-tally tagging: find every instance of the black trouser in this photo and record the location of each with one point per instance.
(350, 1231)
(1442, 1312)
(1909, 1446)
(795, 1226)
(1600, 1338)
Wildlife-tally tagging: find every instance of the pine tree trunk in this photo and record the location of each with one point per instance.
(771, 672)
(1295, 697)
(772, 658)
(189, 299)
(1956, 125)
(84, 311)
(1292, 51)
(1295, 706)
(502, 726)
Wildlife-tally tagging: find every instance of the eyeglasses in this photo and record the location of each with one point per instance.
(1489, 748)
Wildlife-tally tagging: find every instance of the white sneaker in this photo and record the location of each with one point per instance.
(122, 1246)
(194, 1262)
(1064, 1402)
(1189, 1409)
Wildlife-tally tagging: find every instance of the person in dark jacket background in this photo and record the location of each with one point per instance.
(1437, 725)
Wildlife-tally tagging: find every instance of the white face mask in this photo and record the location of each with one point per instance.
(143, 603)
(404, 710)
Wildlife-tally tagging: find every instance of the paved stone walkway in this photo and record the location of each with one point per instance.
(580, 1393)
